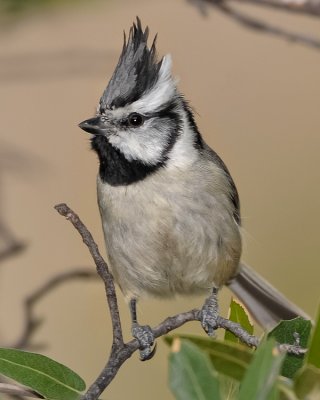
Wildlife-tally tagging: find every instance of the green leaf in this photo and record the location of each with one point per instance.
(284, 333)
(260, 380)
(47, 377)
(238, 314)
(313, 357)
(307, 383)
(228, 358)
(229, 388)
(191, 375)
(285, 386)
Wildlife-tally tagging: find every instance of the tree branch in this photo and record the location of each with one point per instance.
(31, 322)
(310, 7)
(12, 249)
(263, 27)
(12, 246)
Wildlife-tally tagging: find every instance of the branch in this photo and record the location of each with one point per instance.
(263, 27)
(12, 246)
(310, 7)
(120, 351)
(12, 249)
(31, 322)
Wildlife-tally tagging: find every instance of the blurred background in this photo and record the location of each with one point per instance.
(257, 101)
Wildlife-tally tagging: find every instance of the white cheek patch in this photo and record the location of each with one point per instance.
(145, 143)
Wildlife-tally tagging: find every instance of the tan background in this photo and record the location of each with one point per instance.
(258, 103)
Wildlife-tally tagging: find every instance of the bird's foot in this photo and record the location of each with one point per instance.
(144, 335)
(210, 313)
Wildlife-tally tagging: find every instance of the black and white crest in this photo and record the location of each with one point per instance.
(137, 70)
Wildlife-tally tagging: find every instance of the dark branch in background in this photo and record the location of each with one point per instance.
(31, 322)
(263, 27)
(307, 7)
(12, 246)
(12, 249)
(120, 351)
(302, 7)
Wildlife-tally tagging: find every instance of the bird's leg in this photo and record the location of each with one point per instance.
(210, 313)
(143, 334)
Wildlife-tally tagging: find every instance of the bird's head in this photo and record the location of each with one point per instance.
(141, 113)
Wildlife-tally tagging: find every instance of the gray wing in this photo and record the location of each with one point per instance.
(234, 196)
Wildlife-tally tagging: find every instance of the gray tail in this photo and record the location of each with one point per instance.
(266, 304)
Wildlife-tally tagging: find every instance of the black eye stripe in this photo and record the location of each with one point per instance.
(167, 111)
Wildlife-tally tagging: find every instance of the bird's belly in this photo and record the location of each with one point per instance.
(164, 250)
(157, 265)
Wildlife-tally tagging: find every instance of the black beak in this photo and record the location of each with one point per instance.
(93, 125)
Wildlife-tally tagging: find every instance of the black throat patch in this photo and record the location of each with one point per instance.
(115, 169)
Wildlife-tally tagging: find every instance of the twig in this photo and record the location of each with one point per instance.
(12, 245)
(102, 269)
(12, 249)
(238, 331)
(31, 322)
(309, 7)
(263, 27)
(120, 351)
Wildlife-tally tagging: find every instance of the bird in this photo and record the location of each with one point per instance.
(169, 207)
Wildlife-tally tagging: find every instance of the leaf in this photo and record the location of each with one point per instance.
(307, 383)
(228, 358)
(260, 380)
(42, 374)
(238, 314)
(191, 375)
(286, 391)
(284, 333)
(313, 357)
(229, 388)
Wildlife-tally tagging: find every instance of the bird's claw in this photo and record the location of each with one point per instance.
(144, 335)
(148, 352)
(209, 320)
(210, 313)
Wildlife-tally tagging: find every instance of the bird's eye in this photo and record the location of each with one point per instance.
(135, 120)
